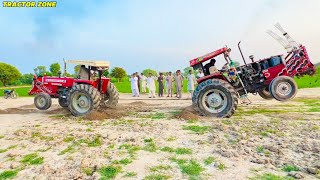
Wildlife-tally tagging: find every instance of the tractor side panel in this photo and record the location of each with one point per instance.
(274, 72)
(49, 85)
(105, 83)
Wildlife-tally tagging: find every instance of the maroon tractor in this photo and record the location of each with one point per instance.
(80, 95)
(218, 91)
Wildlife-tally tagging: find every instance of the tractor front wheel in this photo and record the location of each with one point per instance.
(283, 88)
(111, 97)
(215, 98)
(83, 99)
(265, 93)
(42, 101)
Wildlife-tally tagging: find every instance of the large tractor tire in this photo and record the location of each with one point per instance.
(265, 94)
(83, 98)
(42, 101)
(283, 88)
(111, 97)
(215, 98)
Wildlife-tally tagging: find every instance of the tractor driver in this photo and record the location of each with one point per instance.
(84, 72)
(210, 68)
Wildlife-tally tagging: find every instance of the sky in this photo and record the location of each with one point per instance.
(158, 34)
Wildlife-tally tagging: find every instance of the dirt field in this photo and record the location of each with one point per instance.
(162, 139)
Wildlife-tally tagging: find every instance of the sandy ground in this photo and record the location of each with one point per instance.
(161, 138)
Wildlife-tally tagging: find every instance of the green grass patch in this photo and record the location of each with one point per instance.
(197, 129)
(171, 138)
(158, 116)
(8, 174)
(69, 149)
(167, 149)
(191, 168)
(130, 149)
(160, 168)
(125, 161)
(209, 160)
(87, 171)
(156, 177)
(130, 174)
(22, 91)
(289, 168)
(93, 142)
(42, 137)
(309, 81)
(1, 137)
(151, 147)
(191, 121)
(32, 159)
(221, 166)
(68, 139)
(183, 151)
(109, 172)
(270, 176)
(260, 149)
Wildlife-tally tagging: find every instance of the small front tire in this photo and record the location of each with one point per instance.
(283, 88)
(42, 101)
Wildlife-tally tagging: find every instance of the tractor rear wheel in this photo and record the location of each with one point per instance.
(111, 97)
(215, 98)
(283, 88)
(83, 98)
(265, 93)
(42, 101)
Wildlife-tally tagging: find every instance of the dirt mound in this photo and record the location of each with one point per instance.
(138, 103)
(100, 115)
(58, 111)
(188, 114)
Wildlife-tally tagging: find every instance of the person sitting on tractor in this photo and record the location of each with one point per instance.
(210, 68)
(84, 72)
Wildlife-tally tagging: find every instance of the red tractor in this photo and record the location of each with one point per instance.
(80, 95)
(218, 91)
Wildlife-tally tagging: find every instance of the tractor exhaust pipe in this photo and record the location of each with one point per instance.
(241, 53)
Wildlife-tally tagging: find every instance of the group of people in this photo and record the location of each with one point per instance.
(165, 82)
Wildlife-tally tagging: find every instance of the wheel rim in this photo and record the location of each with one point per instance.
(41, 101)
(284, 88)
(81, 102)
(214, 101)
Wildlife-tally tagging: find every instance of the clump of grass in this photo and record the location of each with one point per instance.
(151, 147)
(270, 176)
(226, 121)
(69, 149)
(88, 171)
(192, 168)
(130, 149)
(68, 139)
(95, 142)
(89, 130)
(260, 149)
(125, 161)
(148, 140)
(289, 168)
(191, 121)
(130, 174)
(1, 137)
(183, 151)
(158, 116)
(209, 160)
(41, 137)
(171, 138)
(160, 168)
(109, 172)
(197, 129)
(3, 150)
(156, 177)
(32, 159)
(8, 174)
(221, 166)
(167, 149)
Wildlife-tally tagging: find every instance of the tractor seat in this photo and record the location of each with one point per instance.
(7, 91)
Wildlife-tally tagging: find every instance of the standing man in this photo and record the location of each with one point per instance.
(137, 75)
(151, 86)
(191, 82)
(169, 81)
(161, 87)
(179, 83)
(143, 83)
(134, 85)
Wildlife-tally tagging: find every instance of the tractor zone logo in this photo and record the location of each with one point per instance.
(29, 4)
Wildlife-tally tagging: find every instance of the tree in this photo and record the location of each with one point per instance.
(8, 73)
(40, 70)
(26, 78)
(55, 68)
(186, 71)
(106, 73)
(147, 71)
(118, 73)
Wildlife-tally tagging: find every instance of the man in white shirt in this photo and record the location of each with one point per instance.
(200, 74)
(134, 85)
(151, 85)
(191, 82)
(143, 79)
